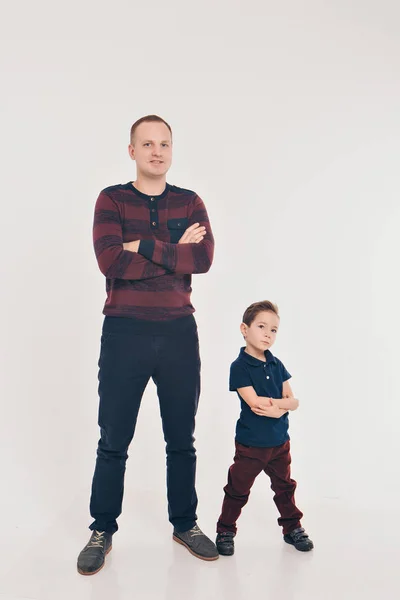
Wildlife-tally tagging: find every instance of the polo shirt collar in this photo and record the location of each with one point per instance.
(255, 362)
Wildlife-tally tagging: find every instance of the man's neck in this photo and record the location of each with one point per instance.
(150, 187)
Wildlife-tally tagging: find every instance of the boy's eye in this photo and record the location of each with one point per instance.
(274, 330)
(261, 326)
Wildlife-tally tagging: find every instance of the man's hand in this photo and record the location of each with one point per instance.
(193, 234)
(132, 246)
(269, 411)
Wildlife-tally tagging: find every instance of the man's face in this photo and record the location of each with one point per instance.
(261, 334)
(152, 149)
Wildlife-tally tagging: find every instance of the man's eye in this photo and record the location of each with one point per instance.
(166, 145)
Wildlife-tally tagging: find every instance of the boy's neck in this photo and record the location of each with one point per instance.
(255, 353)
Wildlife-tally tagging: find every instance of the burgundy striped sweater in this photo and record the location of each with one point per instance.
(153, 284)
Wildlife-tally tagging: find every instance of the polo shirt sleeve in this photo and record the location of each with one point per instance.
(239, 377)
(284, 372)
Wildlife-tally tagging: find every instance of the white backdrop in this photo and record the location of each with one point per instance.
(286, 122)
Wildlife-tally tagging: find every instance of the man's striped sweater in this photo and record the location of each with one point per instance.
(153, 284)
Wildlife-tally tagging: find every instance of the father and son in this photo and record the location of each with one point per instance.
(150, 237)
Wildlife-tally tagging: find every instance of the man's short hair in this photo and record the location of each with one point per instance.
(254, 309)
(148, 119)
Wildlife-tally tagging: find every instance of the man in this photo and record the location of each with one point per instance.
(149, 238)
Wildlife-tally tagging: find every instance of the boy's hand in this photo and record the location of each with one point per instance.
(269, 411)
(263, 402)
(287, 402)
(193, 234)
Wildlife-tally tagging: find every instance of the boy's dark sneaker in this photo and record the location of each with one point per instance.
(92, 557)
(299, 539)
(225, 543)
(197, 543)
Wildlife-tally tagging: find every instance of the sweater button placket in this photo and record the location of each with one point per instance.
(153, 212)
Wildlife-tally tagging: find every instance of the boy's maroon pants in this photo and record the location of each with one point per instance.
(248, 463)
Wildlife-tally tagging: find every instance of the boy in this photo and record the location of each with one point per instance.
(262, 439)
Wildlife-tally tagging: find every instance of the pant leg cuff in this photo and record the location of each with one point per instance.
(108, 528)
(181, 528)
(223, 528)
(290, 528)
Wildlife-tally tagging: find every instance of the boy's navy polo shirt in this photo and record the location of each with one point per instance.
(267, 379)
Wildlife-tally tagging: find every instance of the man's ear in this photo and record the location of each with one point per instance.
(131, 151)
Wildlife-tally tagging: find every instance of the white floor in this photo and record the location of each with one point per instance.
(355, 556)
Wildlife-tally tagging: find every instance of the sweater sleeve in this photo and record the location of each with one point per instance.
(184, 259)
(115, 262)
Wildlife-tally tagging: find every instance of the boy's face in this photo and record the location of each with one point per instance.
(152, 149)
(261, 334)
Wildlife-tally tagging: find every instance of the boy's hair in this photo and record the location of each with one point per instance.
(254, 309)
(148, 119)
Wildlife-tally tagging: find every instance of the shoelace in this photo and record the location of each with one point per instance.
(196, 531)
(97, 540)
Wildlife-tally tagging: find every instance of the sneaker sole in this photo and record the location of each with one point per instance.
(299, 549)
(182, 543)
(224, 553)
(99, 569)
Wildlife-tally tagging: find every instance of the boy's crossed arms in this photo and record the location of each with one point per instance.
(270, 407)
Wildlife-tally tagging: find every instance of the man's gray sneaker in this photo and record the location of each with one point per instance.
(197, 543)
(92, 557)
